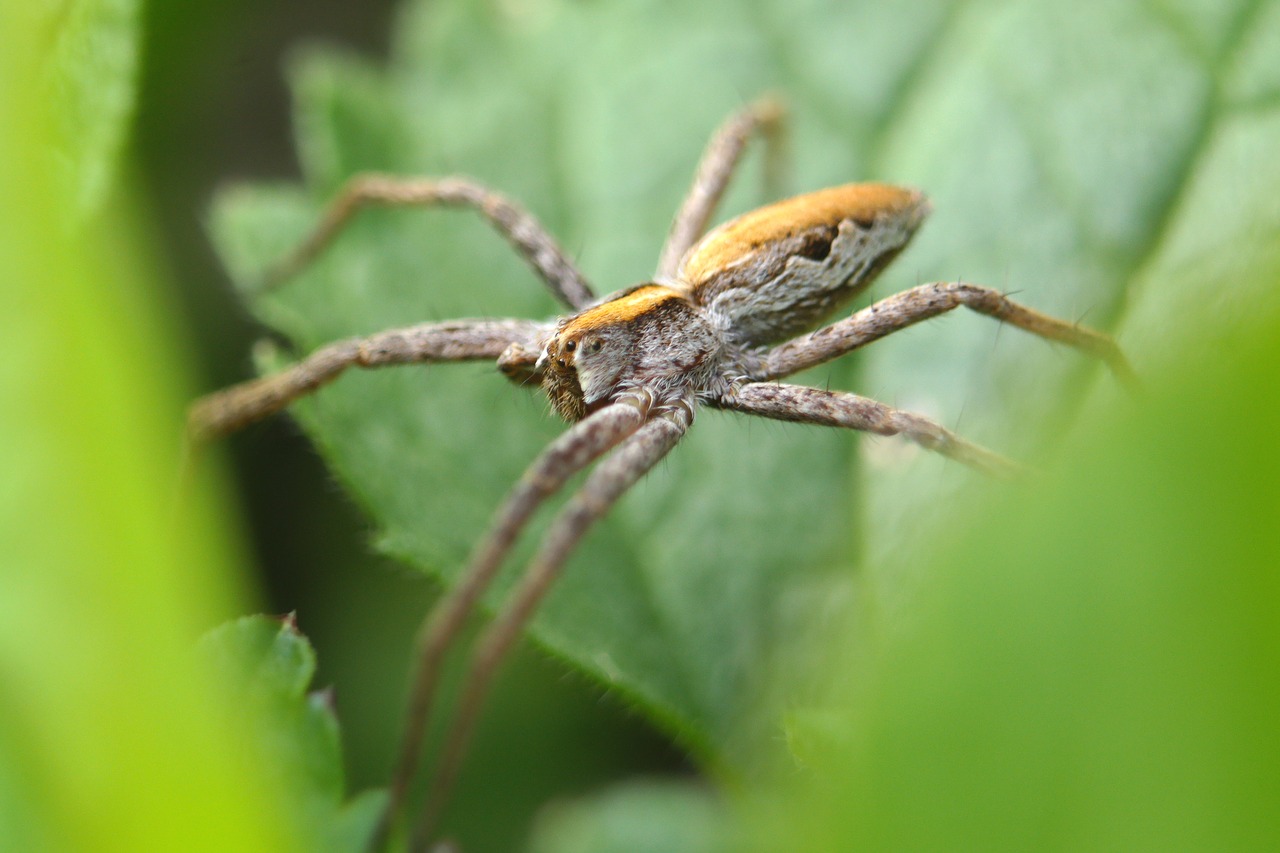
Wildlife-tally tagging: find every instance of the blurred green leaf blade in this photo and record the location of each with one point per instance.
(111, 737)
(638, 817)
(90, 79)
(1091, 661)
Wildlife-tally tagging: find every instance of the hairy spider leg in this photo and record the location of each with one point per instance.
(223, 412)
(719, 161)
(633, 458)
(904, 309)
(801, 404)
(577, 448)
(519, 227)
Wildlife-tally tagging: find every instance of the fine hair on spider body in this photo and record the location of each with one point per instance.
(727, 314)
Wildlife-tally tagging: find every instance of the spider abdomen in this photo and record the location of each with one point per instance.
(777, 271)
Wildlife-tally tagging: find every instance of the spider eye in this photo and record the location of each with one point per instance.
(596, 345)
(570, 346)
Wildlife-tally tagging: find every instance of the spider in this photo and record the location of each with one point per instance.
(727, 314)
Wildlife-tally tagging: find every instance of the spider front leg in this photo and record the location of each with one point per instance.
(921, 303)
(632, 459)
(713, 173)
(519, 227)
(570, 453)
(802, 404)
(226, 411)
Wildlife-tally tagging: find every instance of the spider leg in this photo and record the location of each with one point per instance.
(230, 409)
(802, 404)
(582, 444)
(519, 227)
(921, 303)
(714, 170)
(633, 457)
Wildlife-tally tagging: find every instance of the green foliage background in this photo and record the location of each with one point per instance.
(1083, 660)
(111, 738)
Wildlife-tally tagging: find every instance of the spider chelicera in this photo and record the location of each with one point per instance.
(725, 316)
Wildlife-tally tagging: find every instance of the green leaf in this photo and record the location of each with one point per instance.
(90, 77)
(639, 817)
(111, 738)
(1057, 166)
(268, 665)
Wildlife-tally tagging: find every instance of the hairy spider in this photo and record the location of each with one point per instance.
(724, 317)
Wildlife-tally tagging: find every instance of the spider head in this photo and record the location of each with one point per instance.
(644, 336)
(581, 365)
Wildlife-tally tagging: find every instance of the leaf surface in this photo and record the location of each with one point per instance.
(90, 79)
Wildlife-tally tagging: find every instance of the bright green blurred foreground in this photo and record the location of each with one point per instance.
(1092, 663)
(111, 735)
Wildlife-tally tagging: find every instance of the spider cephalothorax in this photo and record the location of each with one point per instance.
(649, 336)
(721, 322)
